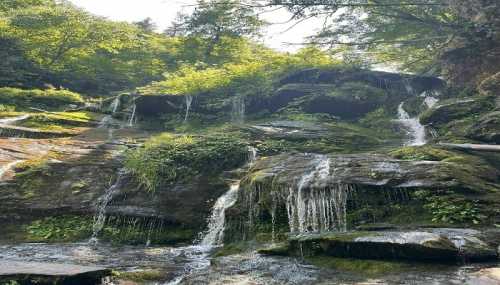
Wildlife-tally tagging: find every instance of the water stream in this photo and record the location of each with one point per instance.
(132, 116)
(102, 203)
(238, 111)
(13, 120)
(189, 101)
(115, 104)
(415, 129)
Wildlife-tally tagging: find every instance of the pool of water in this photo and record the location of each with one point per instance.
(193, 265)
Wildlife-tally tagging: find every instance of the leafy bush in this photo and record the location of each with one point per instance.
(446, 209)
(64, 228)
(167, 158)
(50, 98)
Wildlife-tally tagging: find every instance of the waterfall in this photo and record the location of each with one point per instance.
(132, 116)
(238, 111)
(8, 166)
(102, 203)
(189, 101)
(317, 209)
(9, 121)
(216, 225)
(252, 155)
(415, 129)
(115, 104)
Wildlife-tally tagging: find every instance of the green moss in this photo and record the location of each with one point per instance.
(168, 158)
(422, 153)
(50, 98)
(363, 267)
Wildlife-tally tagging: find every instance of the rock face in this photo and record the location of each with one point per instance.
(423, 244)
(303, 193)
(50, 273)
(343, 93)
(487, 128)
(450, 110)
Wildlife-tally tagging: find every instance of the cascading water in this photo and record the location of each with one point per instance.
(317, 209)
(216, 225)
(102, 203)
(132, 116)
(189, 101)
(115, 104)
(198, 254)
(416, 131)
(9, 121)
(238, 111)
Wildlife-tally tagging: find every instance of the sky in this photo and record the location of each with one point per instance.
(163, 12)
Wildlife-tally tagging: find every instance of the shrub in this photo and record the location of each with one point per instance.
(167, 158)
(50, 98)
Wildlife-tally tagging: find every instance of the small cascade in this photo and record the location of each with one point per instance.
(252, 155)
(8, 167)
(216, 225)
(317, 209)
(102, 203)
(115, 104)
(238, 111)
(415, 129)
(430, 98)
(189, 101)
(13, 120)
(132, 116)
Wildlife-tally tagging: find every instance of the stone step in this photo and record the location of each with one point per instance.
(51, 273)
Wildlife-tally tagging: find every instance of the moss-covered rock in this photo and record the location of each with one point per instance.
(430, 244)
(487, 128)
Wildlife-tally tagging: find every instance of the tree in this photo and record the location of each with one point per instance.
(421, 34)
(147, 25)
(214, 20)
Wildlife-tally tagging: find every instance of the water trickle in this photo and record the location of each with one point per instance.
(238, 111)
(252, 155)
(102, 203)
(10, 121)
(115, 104)
(189, 101)
(416, 131)
(132, 116)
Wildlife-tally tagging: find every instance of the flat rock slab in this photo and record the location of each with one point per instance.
(51, 273)
(425, 244)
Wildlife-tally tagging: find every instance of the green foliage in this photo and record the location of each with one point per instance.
(450, 210)
(254, 75)
(422, 153)
(50, 98)
(168, 158)
(63, 228)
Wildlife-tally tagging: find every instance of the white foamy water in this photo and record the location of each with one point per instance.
(12, 120)
(189, 102)
(216, 225)
(415, 129)
(102, 203)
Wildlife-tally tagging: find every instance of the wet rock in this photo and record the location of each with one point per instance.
(487, 128)
(426, 244)
(50, 273)
(14, 131)
(453, 109)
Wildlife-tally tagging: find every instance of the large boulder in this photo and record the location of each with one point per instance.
(454, 109)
